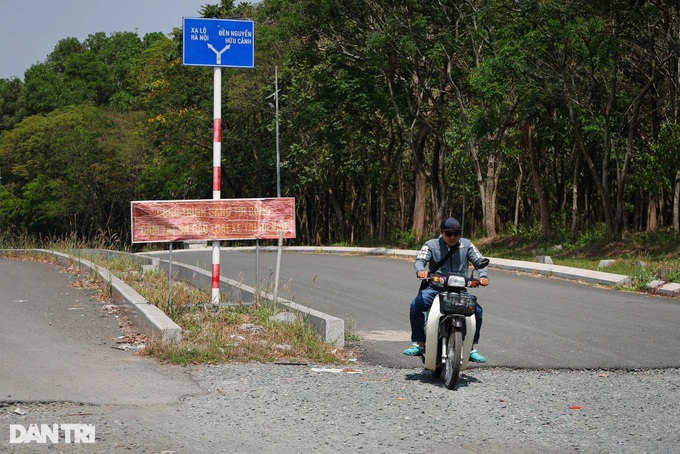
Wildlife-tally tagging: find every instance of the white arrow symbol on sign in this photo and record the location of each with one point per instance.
(219, 54)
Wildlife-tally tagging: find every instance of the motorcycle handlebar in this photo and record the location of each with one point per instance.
(472, 282)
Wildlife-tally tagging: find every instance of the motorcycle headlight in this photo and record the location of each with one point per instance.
(456, 281)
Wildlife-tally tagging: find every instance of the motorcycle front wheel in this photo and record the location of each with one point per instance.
(454, 355)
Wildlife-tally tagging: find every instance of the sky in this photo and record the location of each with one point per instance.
(30, 29)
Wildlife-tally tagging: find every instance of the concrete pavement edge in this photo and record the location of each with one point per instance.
(149, 319)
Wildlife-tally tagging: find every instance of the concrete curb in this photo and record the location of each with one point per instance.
(565, 272)
(664, 288)
(331, 329)
(150, 320)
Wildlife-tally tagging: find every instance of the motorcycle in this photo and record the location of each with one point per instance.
(450, 325)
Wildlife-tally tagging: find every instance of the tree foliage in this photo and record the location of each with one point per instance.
(392, 115)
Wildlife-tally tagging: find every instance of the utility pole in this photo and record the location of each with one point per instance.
(278, 183)
(274, 95)
(278, 156)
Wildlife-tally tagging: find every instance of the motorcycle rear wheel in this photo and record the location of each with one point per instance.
(454, 355)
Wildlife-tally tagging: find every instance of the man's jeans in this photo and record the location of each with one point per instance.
(421, 304)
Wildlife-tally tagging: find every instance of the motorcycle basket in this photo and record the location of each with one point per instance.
(457, 303)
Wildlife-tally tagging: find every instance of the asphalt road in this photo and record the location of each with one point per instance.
(57, 343)
(529, 321)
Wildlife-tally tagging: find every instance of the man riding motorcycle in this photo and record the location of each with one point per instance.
(449, 253)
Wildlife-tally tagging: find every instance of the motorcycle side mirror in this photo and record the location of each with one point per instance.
(483, 263)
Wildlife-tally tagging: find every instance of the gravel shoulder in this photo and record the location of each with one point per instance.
(245, 408)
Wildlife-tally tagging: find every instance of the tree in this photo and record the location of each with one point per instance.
(11, 109)
(73, 170)
(601, 89)
(93, 71)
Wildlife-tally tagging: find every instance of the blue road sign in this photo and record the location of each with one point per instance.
(219, 42)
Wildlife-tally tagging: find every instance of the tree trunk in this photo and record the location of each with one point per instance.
(574, 198)
(387, 170)
(416, 134)
(420, 184)
(600, 180)
(651, 212)
(420, 203)
(624, 168)
(437, 182)
(676, 203)
(518, 194)
(543, 200)
(490, 195)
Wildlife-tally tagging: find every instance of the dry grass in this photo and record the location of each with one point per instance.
(236, 333)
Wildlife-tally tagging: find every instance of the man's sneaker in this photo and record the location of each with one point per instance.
(414, 350)
(475, 357)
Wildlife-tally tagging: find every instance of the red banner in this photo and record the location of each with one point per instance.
(208, 220)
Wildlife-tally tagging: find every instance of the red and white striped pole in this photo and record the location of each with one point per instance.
(217, 176)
